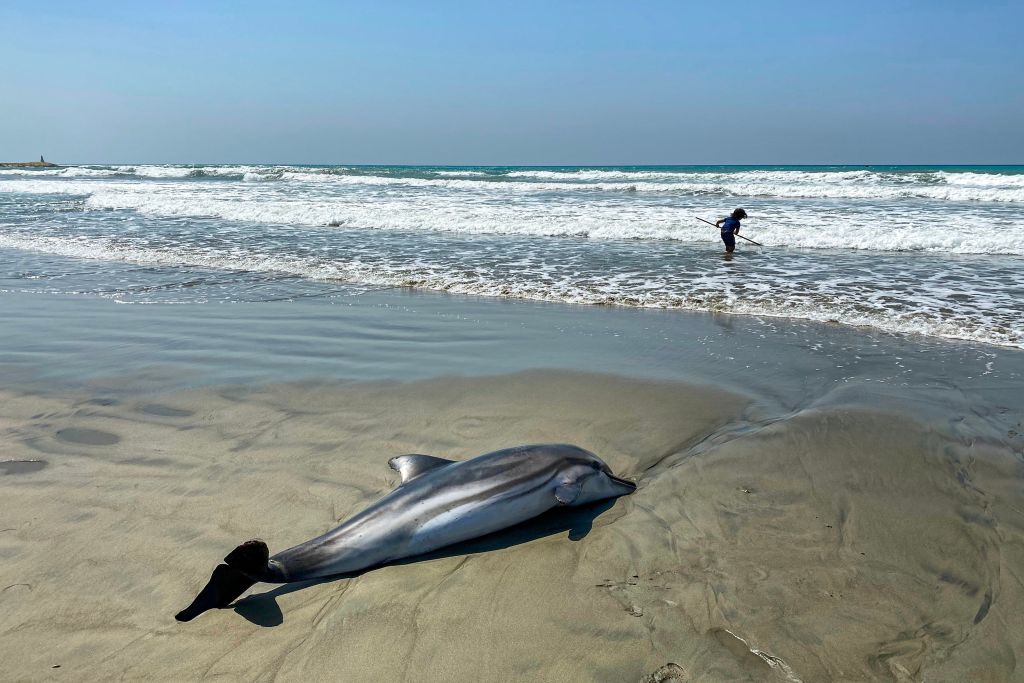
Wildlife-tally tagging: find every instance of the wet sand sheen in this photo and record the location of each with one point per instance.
(87, 437)
(836, 543)
(21, 466)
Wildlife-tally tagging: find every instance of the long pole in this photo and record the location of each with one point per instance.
(737, 234)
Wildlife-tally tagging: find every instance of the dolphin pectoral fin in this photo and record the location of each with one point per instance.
(224, 586)
(567, 493)
(413, 465)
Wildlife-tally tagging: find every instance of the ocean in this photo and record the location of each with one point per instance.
(930, 251)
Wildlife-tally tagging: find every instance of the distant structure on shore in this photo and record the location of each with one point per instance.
(42, 163)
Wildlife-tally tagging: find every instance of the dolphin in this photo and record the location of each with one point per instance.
(438, 503)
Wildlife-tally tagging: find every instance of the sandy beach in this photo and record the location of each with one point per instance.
(851, 531)
(700, 327)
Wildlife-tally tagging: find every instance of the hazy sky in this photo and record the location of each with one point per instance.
(513, 82)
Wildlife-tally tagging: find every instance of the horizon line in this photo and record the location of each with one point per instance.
(510, 165)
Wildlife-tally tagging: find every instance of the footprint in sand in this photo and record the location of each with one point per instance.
(670, 673)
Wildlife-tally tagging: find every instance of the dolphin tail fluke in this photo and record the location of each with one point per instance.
(225, 585)
(229, 580)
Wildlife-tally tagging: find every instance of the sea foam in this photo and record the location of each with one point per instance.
(934, 251)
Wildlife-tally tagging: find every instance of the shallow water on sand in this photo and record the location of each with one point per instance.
(340, 334)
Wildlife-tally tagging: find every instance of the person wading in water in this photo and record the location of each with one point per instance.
(730, 227)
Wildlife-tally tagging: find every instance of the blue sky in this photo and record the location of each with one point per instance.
(513, 82)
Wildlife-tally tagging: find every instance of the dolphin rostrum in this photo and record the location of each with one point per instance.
(438, 503)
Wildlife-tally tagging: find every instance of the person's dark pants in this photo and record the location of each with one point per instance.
(730, 241)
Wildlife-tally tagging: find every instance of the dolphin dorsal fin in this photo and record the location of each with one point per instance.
(413, 465)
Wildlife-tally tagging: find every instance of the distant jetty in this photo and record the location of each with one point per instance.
(28, 164)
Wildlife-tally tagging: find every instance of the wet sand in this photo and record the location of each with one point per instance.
(858, 535)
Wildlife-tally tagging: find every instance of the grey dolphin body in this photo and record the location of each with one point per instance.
(438, 503)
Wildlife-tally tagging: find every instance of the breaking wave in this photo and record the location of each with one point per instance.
(928, 250)
(857, 184)
(795, 286)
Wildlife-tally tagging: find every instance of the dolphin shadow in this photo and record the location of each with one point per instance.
(262, 608)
